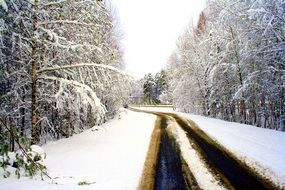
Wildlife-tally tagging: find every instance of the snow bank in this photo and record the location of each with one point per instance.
(106, 157)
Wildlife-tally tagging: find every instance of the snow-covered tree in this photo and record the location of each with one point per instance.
(161, 83)
(60, 66)
(231, 65)
(149, 88)
(136, 92)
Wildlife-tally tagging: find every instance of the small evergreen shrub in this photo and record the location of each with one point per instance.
(23, 162)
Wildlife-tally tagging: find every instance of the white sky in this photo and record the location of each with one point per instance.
(151, 28)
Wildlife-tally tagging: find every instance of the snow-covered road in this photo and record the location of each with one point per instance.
(211, 164)
(258, 151)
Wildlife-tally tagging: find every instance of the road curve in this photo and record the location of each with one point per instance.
(169, 170)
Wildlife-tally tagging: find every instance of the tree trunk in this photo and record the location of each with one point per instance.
(23, 120)
(239, 74)
(35, 118)
(12, 137)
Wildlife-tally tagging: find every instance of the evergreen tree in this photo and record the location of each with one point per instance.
(149, 88)
(161, 83)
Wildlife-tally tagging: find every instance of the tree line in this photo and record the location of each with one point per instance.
(232, 64)
(151, 89)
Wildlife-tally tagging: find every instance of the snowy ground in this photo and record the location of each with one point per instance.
(262, 149)
(110, 157)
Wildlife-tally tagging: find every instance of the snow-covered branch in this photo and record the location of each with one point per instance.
(107, 67)
(76, 22)
(53, 3)
(87, 95)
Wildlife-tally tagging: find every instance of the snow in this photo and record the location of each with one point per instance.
(4, 5)
(38, 150)
(12, 157)
(110, 156)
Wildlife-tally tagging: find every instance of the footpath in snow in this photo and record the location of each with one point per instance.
(108, 157)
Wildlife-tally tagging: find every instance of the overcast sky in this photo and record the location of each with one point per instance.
(151, 28)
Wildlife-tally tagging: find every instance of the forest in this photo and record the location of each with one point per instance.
(232, 65)
(61, 68)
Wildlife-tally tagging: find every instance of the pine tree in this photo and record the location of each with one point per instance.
(149, 88)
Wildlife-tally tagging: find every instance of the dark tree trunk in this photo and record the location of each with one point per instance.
(35, 117)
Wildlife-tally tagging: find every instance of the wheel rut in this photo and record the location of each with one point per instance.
(165, 168)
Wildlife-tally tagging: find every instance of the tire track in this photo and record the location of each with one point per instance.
(165, 168)
(147, 181)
